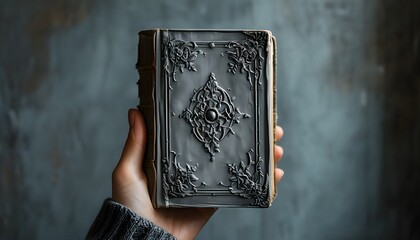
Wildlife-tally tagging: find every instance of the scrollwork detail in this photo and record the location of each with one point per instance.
(211, 114)
(246, 56)
(248, 184)
(178, 55)
(179, 181)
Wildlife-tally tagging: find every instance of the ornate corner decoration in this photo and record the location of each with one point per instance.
(247, 55)
(177, 180)
(178, 55)
(249, 185)
(211, 114)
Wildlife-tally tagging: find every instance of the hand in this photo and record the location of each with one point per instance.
(129, 186)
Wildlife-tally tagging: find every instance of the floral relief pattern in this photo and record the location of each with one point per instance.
(246, 56)
(246, 184)
(178, 55)
(179, 181)
(212, 115)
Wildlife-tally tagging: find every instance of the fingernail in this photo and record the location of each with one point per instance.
(282, 173)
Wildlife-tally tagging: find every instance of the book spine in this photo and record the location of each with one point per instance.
(146, 67)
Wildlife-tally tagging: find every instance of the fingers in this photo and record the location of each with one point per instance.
(279, 133)
(279, 174)
(278, 150)
(278, 153)
(134, 148)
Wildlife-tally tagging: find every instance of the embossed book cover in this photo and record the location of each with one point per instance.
(208, 97)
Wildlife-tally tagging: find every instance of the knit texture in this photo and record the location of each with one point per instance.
(115, 221)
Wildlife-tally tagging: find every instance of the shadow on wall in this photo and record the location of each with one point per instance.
(398, 42)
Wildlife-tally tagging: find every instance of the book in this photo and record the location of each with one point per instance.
(208, 99)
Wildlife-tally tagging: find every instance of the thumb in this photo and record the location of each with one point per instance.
(135, 145)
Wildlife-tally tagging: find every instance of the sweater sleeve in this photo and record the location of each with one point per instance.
(115, 221)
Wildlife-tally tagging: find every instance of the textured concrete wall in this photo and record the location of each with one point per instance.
(348, 92)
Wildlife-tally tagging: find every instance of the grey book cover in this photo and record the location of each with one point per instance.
(208, 98)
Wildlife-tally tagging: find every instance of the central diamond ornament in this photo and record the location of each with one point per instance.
(211, 114)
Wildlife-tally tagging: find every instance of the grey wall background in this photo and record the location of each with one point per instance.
(348, 97)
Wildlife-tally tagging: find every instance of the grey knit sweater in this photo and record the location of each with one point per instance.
(115, 221)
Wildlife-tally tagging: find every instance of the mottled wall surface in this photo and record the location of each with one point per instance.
(348, 97)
